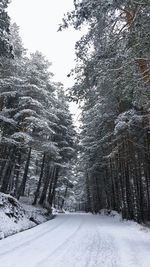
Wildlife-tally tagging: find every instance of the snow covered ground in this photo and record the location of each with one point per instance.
(16, 217)
(78, 240)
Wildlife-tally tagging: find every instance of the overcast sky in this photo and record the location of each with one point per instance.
(39, 21)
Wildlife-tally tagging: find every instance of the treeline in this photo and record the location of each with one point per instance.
(113, 83)
(37, 137)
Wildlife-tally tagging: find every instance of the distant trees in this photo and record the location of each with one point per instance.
(36, 129)
(113, 80)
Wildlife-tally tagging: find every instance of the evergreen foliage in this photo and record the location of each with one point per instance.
(5, 46)
(36, 129)
(113, 82)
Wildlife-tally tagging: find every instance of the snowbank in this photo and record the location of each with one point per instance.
(16, 217)
(111, 213)
(118, 217)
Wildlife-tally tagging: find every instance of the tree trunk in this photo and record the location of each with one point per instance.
(88, 193)
(46, 184)
(17, 175)
(65, 194)
(24, 180)
(40, 181)
(51, 197)
(7, 171)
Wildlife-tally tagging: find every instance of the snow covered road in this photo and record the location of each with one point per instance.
(78, 240)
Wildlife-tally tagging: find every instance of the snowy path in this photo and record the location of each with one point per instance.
(79, 240)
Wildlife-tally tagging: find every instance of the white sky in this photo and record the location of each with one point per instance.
(39, 21)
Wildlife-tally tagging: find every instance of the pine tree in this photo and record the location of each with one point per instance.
(35, 127)
(5, 46)
(111, 73)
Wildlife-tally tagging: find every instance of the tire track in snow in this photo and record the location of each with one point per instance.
(78, 241)
(85, 247)
(26, 243)
(102, 250)
(43, 262)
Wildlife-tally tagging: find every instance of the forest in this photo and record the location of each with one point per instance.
(37, 136)
(106, 163)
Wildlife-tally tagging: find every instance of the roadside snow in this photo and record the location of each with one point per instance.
(16, 217)
(78, 240)
(37, 213)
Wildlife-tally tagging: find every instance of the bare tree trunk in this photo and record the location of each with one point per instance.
(24, 180)
(46, 184)
(88, 193)
(65, 194)
(40, 181)
(51, 182)
(50, 200)
(4, 157)
(18, 166)
(7, 171)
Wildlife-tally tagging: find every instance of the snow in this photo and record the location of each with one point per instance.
(12, 216)
(16, 217)
(79, 240)
(38, 213)
(21, 136)
(7, 120)
(9, 226)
